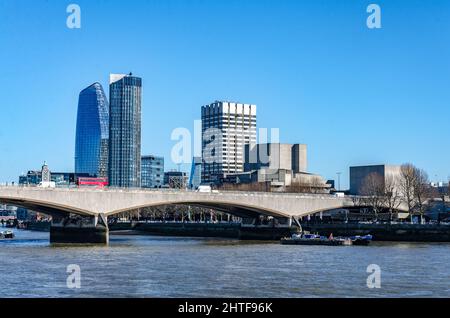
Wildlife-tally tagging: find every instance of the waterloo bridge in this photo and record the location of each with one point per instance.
(96, 205)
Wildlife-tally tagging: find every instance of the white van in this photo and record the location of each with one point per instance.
(48, 184)
(204, 189)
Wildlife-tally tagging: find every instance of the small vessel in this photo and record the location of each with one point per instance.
(362, 240)
(7, 234)
(314, 239)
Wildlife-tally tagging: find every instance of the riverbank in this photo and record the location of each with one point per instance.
(386, 232)
(382, 232)
(221, 230)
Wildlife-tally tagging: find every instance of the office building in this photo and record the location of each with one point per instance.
(152, 172)
(34, 178)
(226, 128)
(175, 179)
(195, 178)
(125, 131)
(92, 134)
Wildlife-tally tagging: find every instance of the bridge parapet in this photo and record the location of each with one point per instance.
(110, 201)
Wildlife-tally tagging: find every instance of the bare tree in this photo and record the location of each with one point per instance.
(421, 191)
(407, 184)
(298, 187)
(254, 187)
(312, 185)
(317, 185)
(358, 201)
(415, 188)
(392, 197)
(373, 191)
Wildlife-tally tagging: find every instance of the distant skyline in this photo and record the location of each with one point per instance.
(355, 96)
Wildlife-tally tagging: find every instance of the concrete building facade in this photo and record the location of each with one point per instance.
(359, 173)
(280, 165)
(226, 128)
(276, 156)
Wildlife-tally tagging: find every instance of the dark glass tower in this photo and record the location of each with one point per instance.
(91, 144)
(125, 131)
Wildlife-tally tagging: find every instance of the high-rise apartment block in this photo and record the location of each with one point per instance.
(152, 172)
(125, 131)
(226, 128)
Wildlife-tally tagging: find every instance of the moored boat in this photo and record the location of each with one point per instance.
(7, 234)
(314, 239)
(362, 240)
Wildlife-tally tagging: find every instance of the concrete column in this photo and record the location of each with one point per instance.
(85, 230)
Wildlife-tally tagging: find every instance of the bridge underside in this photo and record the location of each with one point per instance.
(229, 208)
(71, 225)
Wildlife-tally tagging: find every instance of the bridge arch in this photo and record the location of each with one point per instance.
(349, 206)
(45, 207)
(233, 208)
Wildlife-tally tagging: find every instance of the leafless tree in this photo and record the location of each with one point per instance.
(254, 187)
(391, 192)
(358, 201)
(298, 187)
(415, 188)
(407, 184)
(313, 185)
(316, 185)
(372, 190)
(422, 191)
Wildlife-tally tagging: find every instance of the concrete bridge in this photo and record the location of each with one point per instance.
(97, 204)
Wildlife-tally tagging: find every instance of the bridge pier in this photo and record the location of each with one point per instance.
(80, 230)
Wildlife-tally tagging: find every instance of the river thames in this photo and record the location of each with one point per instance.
(148, 266)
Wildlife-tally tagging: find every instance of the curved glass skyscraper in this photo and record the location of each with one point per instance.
(92, 136)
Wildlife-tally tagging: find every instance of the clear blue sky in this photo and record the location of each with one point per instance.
(354, 95)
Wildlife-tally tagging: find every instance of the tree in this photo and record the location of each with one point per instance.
(392, 197)
(373, 191)
(415, 188)
(357, 200)
(317, 186)
(421, 190)
(314, 184)
(406, 185)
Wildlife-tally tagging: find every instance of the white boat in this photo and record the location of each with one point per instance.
(314, 239)
(7, 234)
